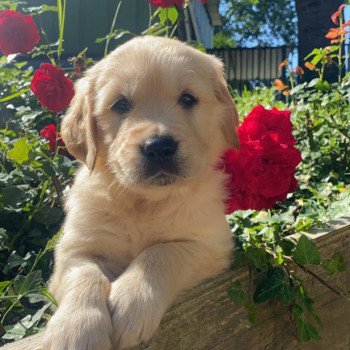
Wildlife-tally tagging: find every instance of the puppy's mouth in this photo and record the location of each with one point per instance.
(161, 179)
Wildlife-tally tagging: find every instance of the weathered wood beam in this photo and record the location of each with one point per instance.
(204, 318)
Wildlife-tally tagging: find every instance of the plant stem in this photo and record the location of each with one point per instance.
(322, 281)
(61, 9)
(340, 51)
(109, 36)
(173, 31)
(150, 16)
(167, 21)
(50, 57)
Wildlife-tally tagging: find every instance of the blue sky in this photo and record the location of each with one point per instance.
(277, 42)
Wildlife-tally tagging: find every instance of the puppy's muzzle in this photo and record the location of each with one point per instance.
(160, 162)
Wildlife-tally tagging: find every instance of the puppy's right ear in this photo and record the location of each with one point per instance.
(79, 129)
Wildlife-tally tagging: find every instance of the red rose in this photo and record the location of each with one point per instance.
(261, 121)
(262, 171)
(55, 141)
(167, 3)
(18, 33)
(52, 88)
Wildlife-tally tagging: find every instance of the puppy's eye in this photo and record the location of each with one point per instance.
(187, 101)
(122, 106)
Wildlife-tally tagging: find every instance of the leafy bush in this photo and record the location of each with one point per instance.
(35, 175)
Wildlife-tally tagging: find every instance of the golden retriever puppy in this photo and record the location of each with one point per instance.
(145, 216)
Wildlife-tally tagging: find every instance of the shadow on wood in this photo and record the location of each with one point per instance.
(204, 318)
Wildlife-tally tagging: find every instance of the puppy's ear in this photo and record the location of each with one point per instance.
(79, 129)
(230, 120)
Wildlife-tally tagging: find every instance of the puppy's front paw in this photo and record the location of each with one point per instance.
(136, 314)
(87, 329)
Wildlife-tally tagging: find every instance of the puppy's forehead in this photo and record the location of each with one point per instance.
(161, 65)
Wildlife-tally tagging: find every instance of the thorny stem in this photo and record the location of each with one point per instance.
(320, 279)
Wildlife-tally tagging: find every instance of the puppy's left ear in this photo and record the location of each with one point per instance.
(79, 129)
(230, 120)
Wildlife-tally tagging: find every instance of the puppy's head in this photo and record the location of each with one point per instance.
(155, 111)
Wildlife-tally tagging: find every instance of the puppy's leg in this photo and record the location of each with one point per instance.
(141, 295)
(82, 320)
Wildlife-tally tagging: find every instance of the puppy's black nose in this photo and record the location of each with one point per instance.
(159, 149)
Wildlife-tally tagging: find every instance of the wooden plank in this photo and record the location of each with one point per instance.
(204, 318)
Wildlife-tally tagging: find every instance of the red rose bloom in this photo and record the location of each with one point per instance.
(261, 122)
(54, 138)
(262, 171)
(167, 3)
(52, 88)
(18, 33)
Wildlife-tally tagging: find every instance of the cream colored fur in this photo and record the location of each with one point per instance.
(129, 248)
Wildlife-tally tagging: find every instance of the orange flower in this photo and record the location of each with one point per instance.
(334, 33)
(298, 70)
(283, 64)
(346, 24)
(279, 85)
(336, 14)
(286, 92)
(310, 66)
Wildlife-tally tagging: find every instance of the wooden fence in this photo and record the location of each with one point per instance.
(251, 66)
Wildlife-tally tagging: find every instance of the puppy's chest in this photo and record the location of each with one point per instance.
(133, 232)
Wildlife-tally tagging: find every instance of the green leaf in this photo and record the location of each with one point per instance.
(323, 85)
(287, 246)
(303, 223)
(252, 311)
(298, 88)
(20, 151)
(268, 234)
(48, 215)
(317, 59)
(313, 53)
(15, 260)
(38, 315)
(12, 195)
(237, 293)
(3, 285)
(258, 258)
(16, 331)
(173, 15)
(48, 295)
(10, 97)
(37, 10)
(306, 252)
(286, 294)
(241, 259)
(24, 284)
(313, 82)
(335, 264)
(306, 331)
(163, 16)
(270, 287)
